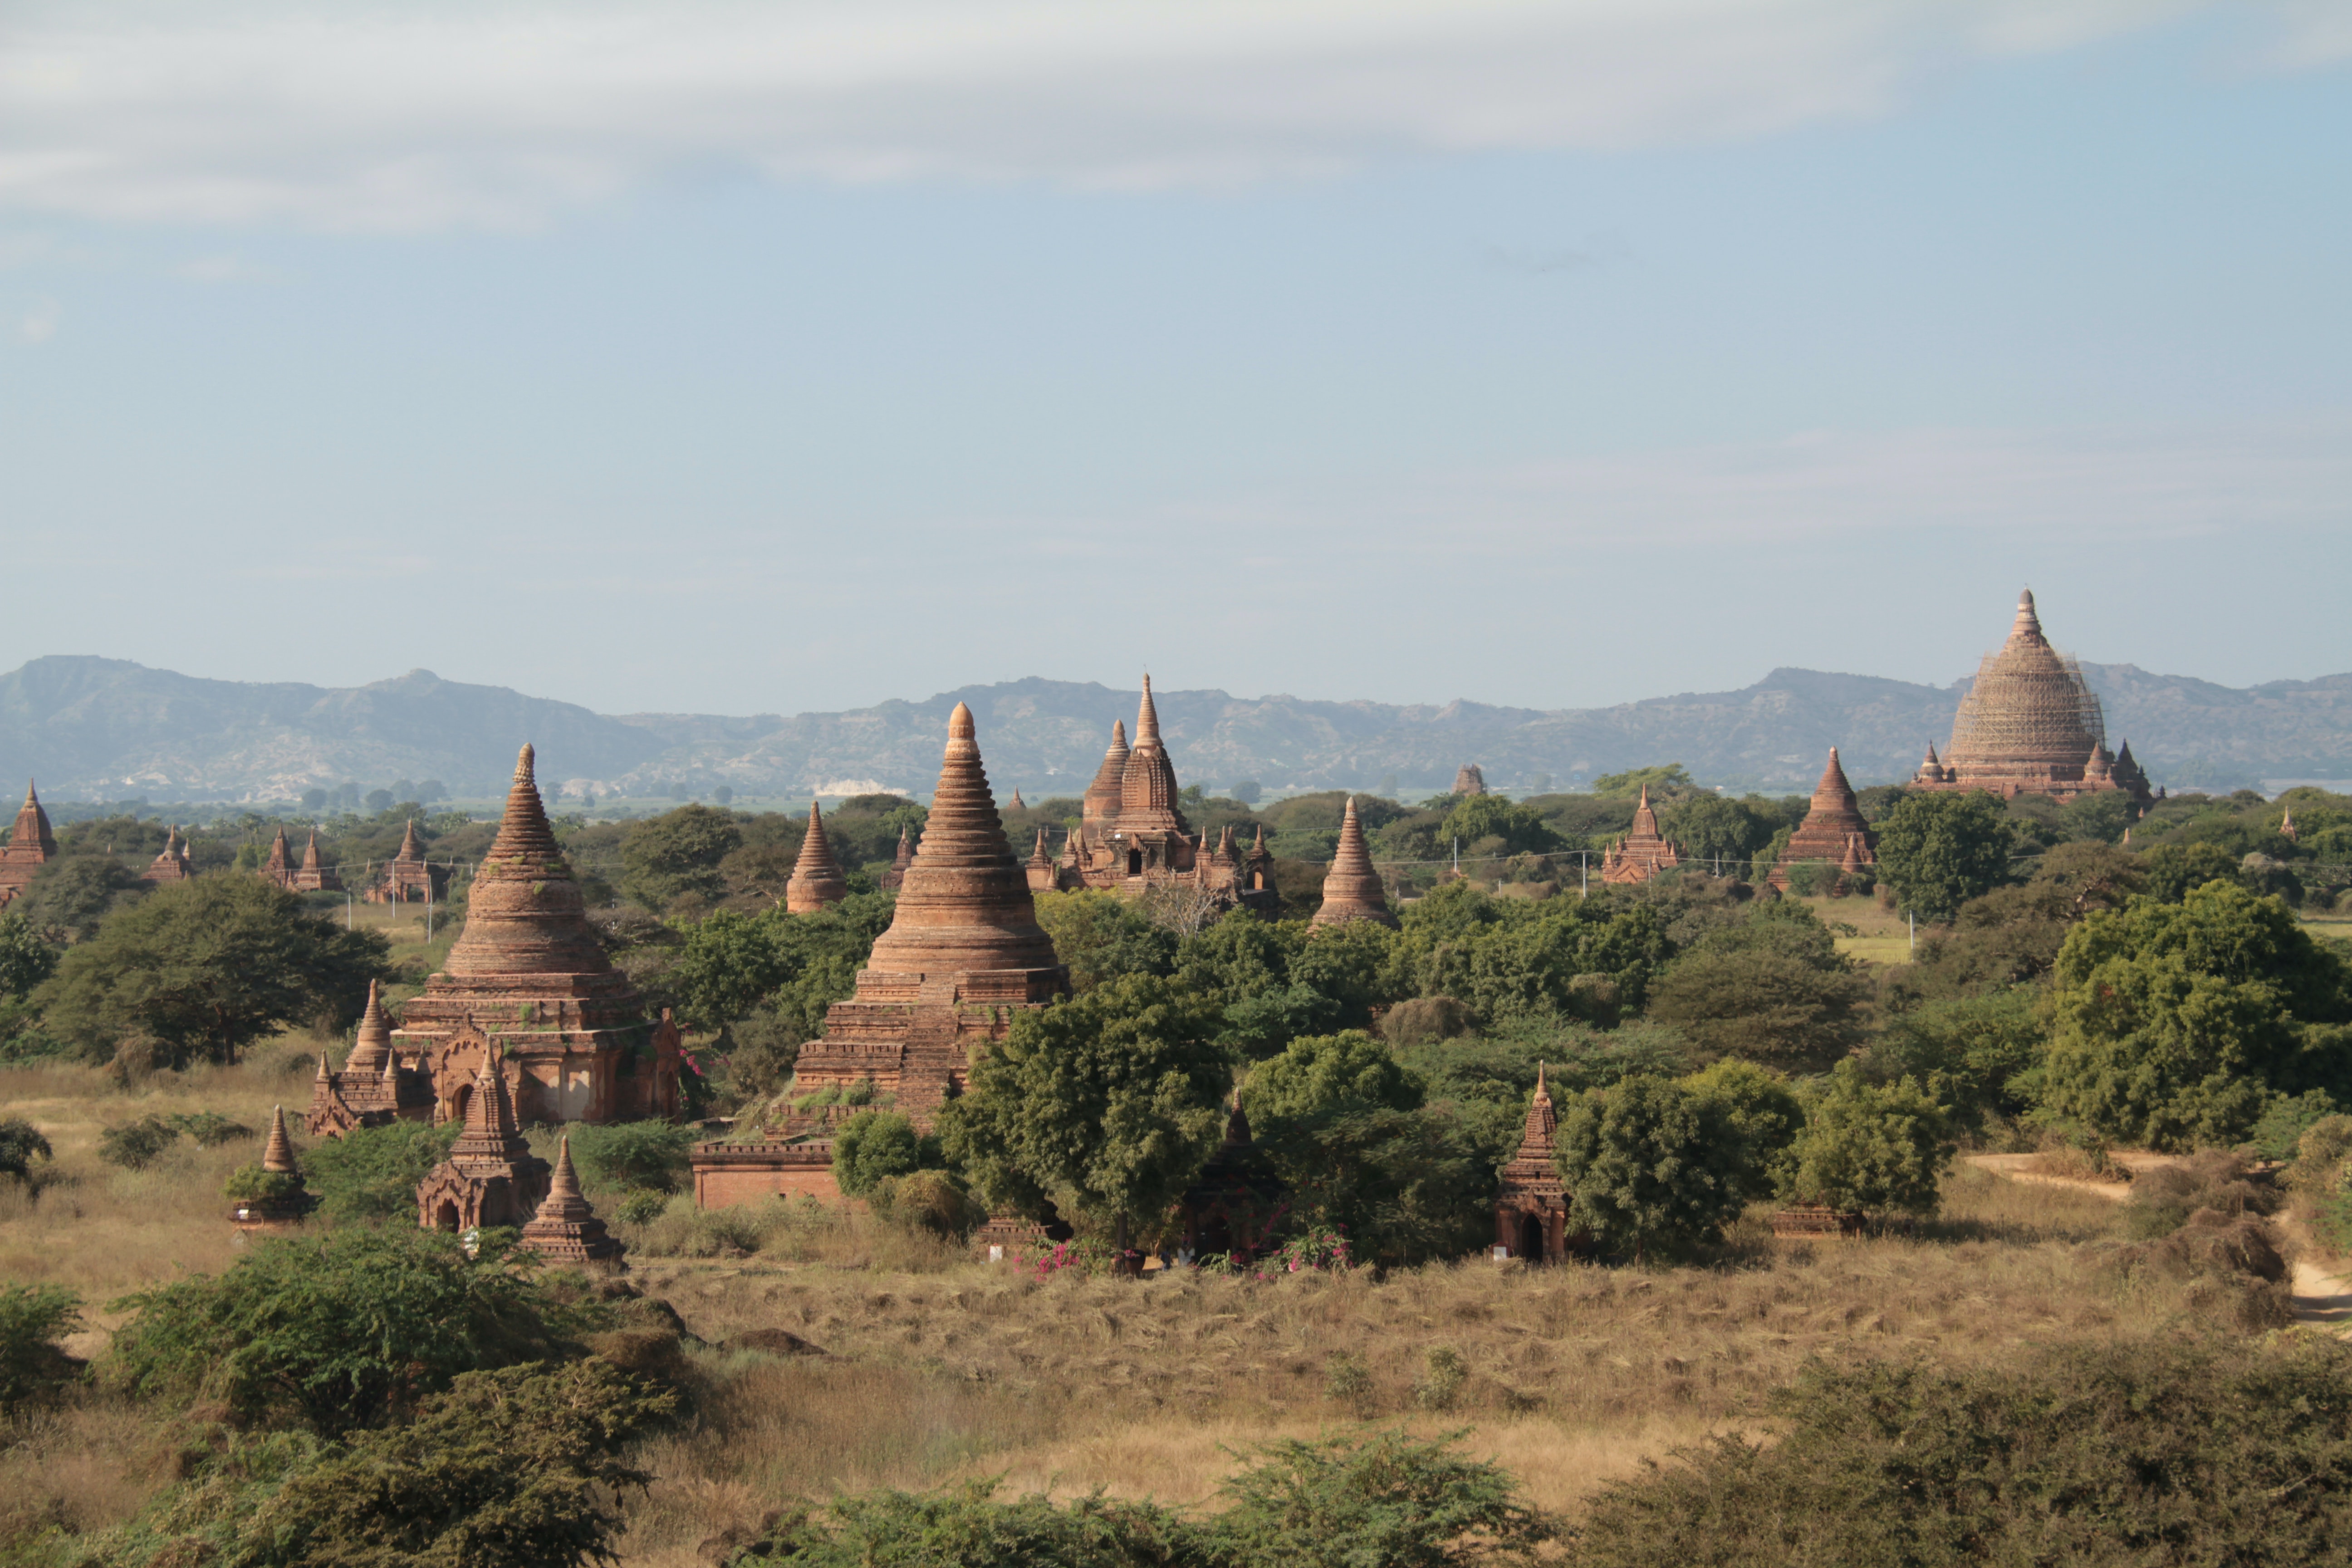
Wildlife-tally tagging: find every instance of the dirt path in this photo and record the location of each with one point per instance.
(2321, 1299)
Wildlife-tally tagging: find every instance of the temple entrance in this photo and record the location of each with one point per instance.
(446, 1217)
(1135, 862)
(460, 1101)
(1531, 1238)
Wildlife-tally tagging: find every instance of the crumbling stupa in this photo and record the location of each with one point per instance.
(1352, 890)
(282, 1209)
(1642, 852)
(565, 1229)
(172, 865)
(367, 1091)
(528, 974)
(890, 881)
(1469, 779)
(1833, 833)
(816, 879)
(963, 951)
(280, 866)
(2030, 725)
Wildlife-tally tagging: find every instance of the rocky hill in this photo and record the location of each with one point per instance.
(105, 728)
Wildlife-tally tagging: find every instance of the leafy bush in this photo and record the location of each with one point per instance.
(1968, 1054)
(1879, 1147)
(2279, 1132)
(251, 1184)
(928, 1200)
(1651, 1165)
(517, 1467)
(1754, 1105)
(967, 1527)
(871, 1146)
(336, 1330)
(21, 1143)
(136, 1145)
(1939, 850)
(33, 1318)
(648, 1156)
(371, 1173)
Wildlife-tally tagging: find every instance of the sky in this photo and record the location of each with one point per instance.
(785, 356)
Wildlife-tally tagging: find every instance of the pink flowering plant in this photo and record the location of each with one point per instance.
(1318, 1249)
(1086, 1255)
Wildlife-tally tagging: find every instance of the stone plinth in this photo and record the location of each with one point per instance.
(529, 973)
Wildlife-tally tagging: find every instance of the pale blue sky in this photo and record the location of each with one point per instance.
(795, 357)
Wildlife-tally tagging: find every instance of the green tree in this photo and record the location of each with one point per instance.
(336, 1330)
(1100, 936)
(1318, 1074)
(1650, 1167)
(1879, 1147)
(25, 959)
(202, 969)
(1755, 1106)
(33, 1319)
(1970, 1055)
(1671, 778)
(1714, 829)
(1940, 849)
(636, 1156)
(678, 852)
(1513, 828)
(1384, 1499)
(2172, 870)
(791, 967)
(1773, 988)
(371, 1173)
(2175, 1023)
(21, 1143)
(75, 894)
(1112, 1100)
(871, 1147)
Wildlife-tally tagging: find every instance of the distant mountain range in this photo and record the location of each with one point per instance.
(101, 729)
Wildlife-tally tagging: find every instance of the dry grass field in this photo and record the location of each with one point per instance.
(930, 1368)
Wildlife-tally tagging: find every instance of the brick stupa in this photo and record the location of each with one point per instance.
(491, 1177)
(363, 1094)
(1532, 1206)
(409, 877)
(1470, 779)
(315, 876)
(890, 881)
(1833, 833)
(565, 1229)
(280, 866)
(2030, 725)
(29, 848)
(172, 865)
(285, 1209)
(1642, 852)
(1352, 890)
(530, 975)
(963, 951)
(816, 879)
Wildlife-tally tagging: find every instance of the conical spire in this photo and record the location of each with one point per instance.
(816, 879)
(2029, 719)
(1017, 803)
(1645, 821)
(410, 849)
(32, 833)
(1833, 791)
(1102, 797)
(965, 905)
(1352, 888)
(524, 913)
(1537, 1131)
(281, 863)
(1039, 856)
(565, 1228)
(278, 1154)
(375, 1040)
(1147, 787)
(310, 852)
(1832, 831)
(905, 854)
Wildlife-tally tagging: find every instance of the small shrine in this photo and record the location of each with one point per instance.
(1235, 1207)
(1532, 1206)
(491, 1177)
(1642, 852)
(891, 881)
(30, 847)
(314, 875)
(172, 865)
(1352, 888)
(278, 866)
(1832, 834)
(565, 1229)
(368, 1091)
(285, 1201)
(817, 880)
(409, 877)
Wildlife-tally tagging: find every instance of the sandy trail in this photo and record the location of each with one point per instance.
(2321, 1298)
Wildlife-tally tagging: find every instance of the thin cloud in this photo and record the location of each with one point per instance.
(40, 323)
(429, 116)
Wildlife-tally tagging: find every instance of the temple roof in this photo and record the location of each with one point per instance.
(373, 1043)
(1352, 890)
(524, 914)
(410, 849)
(2028, 705)
(278, 1154)
(1147, 789)
(32, 828)
(965, 905)
(1102, 797)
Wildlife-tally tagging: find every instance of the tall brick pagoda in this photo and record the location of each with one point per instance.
(1469, 779)
(1833, 833)
(1352, 890)
(963, 951)
(2032, 725)
(1642, 852)
(280, 866)
(532, 981)
(816, 879)
(29, 848)
(1531, 1205)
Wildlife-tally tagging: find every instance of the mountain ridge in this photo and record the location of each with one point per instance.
(97, 727)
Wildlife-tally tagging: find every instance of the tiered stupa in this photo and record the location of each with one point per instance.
(530, 978)
(366, 1092)
(1833, 833)
(1642, 852)
(1532, 1206)
(2032, 725)
(565, 1229)
(491, 1177)
(29, 848)
(315, 875)
(816, 879)
(172, 865)
(1352, 890)
(1469, 779)
(1102, 798)
(963, 951)
(409, 877)
(890, 881)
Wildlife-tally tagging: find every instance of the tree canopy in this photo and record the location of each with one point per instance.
(1940, 849)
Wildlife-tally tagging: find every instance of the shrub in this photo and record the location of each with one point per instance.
(511, 1468)
(1385, 1497)
(2162, 1199)
(928, 1200)
(211, 1129)
(2279, 1133)
(21, 1143)
(371, 1173)
(33, 1318)
(136, 1145)
(2319, 1154)
(2100, 1454)
(251, 1184)
(1754, 1105)
(1649, 1164)
(871, 1146)
(967, 1527)
(336, 1330)
(1877, 1148)
(644, 1155)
